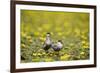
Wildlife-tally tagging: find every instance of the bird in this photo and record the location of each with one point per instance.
(57, 46)
(47, 43)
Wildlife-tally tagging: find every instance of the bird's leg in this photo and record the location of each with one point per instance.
(57, 53)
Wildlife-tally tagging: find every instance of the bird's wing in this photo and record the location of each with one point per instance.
(54, 46)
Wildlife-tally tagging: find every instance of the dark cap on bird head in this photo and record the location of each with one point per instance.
(48, 33)
(60, 41)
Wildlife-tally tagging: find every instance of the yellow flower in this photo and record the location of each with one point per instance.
(65, 57)
(23, 45)
(83, 42)
(36, 33)
(43, 53)
(28, 37)
(50, 54)
(39, 54)
(82, 53)
(42, 39)
(83, 37)
(30, 41)
(23, 34)
(85, 46)
(34, 54)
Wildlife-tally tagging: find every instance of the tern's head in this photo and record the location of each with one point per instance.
(48, 35)
(60, 41)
